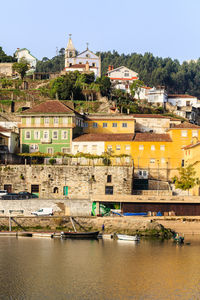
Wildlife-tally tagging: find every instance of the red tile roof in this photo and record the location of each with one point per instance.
(152, 137)
(78, 66)
(186, 125)
(150, 116)
(101, 137)
(180, 96)
(49, 107)
(3, 129)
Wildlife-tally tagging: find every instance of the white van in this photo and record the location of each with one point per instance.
(43, 212)
(3, 193)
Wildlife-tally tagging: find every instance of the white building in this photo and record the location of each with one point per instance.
(25, 53)
(85, 61)
(122, 77)
(183, 100)
(157, 96)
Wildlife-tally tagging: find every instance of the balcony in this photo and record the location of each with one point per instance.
(46, 141)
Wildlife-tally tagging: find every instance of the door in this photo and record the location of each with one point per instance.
(8, 188)
(65, 190)
(35, 189)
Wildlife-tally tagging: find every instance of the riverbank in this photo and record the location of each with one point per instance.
(125, 225)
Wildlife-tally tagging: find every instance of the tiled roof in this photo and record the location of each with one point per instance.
(107, 117)
(90, 137)
(180, 96)
(191, 146)
(150, 116)
(3, 129)
(49, 107)
(78, 66)
(152, 137)
(184, 125)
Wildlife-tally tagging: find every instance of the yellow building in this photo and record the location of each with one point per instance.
(191, 157)
(181, 135)
(109, 124)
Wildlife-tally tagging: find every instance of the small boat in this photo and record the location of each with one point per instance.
(178, 239)
(80, 235)
(126, 237)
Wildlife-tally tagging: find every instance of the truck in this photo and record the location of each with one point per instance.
(43, 212)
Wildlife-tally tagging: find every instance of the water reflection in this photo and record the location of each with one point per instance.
(32, 268)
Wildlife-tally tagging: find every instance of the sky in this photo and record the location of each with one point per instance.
(166, 28)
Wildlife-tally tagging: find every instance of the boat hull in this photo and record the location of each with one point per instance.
(80, 235)
(128, 237)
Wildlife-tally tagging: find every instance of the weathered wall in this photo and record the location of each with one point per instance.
(62, 207)
(82, 181)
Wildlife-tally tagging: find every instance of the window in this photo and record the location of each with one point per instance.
(152, 160)
(65, 120)
(124, 124)
(109, 178)
(109, 190)
(27, 135)
(85, 148)
(75, 148)
(55, 120)
(94, 148)
(65, 150)
(46, 134)
(127, 160)
(50, 150)
(118, 147)
(28, 121)
(114, 124)
(35, 188)
(105, 125)
(153, 147)
(55, 190)
(55, 135)
(162, 160)
(126, 74)
(93, 64)
(128, 147)
(95, 125)
(64, 135)
(34, 148)
(184, 133)
(141, 147)
(182, 163)
(194, 133)
(37, 121)
(109, 147)
(80, 63)
(162, 147)
(86, 124)
(46, 120)
(36, 135)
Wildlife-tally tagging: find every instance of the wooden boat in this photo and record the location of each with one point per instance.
(128, 237)
(80, 235)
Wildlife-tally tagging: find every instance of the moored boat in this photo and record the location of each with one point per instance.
(126, 237)
(80, 235)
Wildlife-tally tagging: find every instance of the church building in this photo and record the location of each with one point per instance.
(85, 61)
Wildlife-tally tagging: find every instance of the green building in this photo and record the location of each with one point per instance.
(49, 127)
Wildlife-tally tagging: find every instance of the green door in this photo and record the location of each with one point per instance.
(65, 190)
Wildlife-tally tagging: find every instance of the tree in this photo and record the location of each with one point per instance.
(5, 58)
(186, 179)
(21, 67)
(136, 87)
(104, 84)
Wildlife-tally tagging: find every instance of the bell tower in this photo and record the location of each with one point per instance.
(70, 52)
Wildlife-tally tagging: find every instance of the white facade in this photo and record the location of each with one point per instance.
(122, 77)
(183, 100)
(88, 147)
(157, 96)
(84, 58)
(25, 53)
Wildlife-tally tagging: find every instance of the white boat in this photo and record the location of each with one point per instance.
(126, 237)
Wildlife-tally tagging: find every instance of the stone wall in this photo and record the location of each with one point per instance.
(82, 181)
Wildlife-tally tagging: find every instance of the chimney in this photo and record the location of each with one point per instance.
(87, 67)
(109, 68)
(112, 68)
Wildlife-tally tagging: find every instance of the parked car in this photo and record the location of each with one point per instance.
(43, 212)
(29, 195)
(3, 193)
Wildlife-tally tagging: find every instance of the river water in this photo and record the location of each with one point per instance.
(39, 268)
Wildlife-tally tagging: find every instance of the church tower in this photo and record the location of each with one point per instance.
(70, 53)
